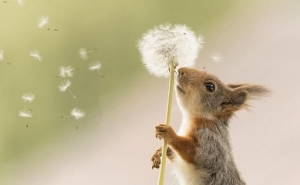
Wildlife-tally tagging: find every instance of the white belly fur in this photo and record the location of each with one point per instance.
(186, 173)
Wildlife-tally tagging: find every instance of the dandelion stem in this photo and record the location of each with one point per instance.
(168, 118)
(72, 94)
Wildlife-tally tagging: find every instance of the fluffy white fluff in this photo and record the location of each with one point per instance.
(168, 43)
(28, 97)
(77, 113)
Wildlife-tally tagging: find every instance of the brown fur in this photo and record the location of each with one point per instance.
(202, 141)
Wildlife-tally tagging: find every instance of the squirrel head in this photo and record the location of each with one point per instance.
(203, 95)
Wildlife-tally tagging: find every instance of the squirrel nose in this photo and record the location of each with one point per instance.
(181, 71)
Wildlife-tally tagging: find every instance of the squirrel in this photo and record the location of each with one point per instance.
(201, 151)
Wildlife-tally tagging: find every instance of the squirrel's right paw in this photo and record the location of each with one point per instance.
(156, 159)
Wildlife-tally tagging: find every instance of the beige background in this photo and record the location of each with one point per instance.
(259, 43)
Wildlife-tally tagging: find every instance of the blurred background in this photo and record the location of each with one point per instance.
(254, 41)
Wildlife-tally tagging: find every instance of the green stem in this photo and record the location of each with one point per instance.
(168, 118)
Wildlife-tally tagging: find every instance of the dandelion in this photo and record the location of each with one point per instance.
(96, 66)
(77, 113)
(29, 97)
(167, 44)
(43, 20)
(163, 49)
(64, 86)
(83, 53)
(26, 114)
(216, 58)
(66, 71)
(36, 55)
(1, 55)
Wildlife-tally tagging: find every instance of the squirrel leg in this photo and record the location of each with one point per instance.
(185, 147)
(156, 158)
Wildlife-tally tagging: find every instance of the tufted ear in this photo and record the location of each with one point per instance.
(238, 94)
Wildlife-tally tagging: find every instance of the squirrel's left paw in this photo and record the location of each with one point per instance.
(163, 131)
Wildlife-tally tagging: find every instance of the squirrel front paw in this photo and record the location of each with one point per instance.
(156, 158)
(166, 132)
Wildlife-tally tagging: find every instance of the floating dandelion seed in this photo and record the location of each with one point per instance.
(26, 114)
(43, 20)
(77, 113)
(96, 66)
(20, 2)
(66, 71)
(217, 58)
(29, 97)
(1, 55)
(83, 53)
(36, 55)
(64, 86)
(167, 43)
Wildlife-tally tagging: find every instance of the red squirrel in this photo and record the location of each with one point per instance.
(201, 151)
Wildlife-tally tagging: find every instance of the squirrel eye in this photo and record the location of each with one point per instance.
(210, 87)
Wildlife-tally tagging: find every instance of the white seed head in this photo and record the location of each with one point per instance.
(28, 97)
(66, 71)
(217, 58)
(64, 85)
(36, 55)
(77, 113)
(201, 40)
(43, 20)
(26, 114)
(167, 43)
(83, 53)
(1, 55)
(95, 66)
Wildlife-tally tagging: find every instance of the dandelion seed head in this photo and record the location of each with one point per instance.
(217, 58)
(28, 97)
(77, 113)
(1, 55)
(95, 66)
(43, 20)
(36, 55)
(201, 40)
(66, 71)
(64, 85)
(167, 43)
(83, 53)
(26, 114)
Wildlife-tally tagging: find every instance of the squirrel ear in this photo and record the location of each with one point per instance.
(240, 93)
